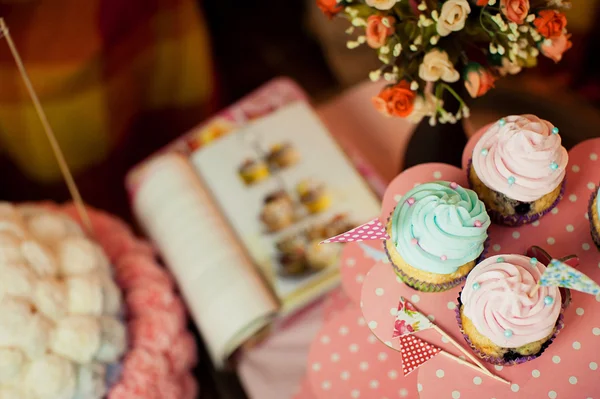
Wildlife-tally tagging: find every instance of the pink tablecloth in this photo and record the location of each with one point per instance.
(275, 369)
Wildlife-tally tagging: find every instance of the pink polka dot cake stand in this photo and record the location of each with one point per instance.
(347, 361)
(567, 369)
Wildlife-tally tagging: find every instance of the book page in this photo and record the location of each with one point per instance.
(227, 299)
(244, 185)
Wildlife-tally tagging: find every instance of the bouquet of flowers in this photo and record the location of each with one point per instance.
(427, 46)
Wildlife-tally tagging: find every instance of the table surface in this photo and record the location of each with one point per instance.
(276, 367)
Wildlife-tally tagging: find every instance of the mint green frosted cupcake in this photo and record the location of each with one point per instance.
(437, 232)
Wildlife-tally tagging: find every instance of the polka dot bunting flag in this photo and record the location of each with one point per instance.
(372, 230)
(415, 352)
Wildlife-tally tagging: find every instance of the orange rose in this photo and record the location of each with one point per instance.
(376, 31)
(555, 48)
(478, 80)
(396, 100)
(329, 7)
(515, 10)
(482, 3)
(550, 23)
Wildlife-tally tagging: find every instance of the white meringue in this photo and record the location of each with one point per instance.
(50, 377)
(103, 261)
(73, 228)
(28, 210)
(111, 294)
(113, 340)
(84, 294)
(11, 220)
(11, 364)
(48, 227)
(76, 338)
(50, 298)
(77, 255)
(16, 280)
(91, 382)
(10, 248)
(40, 258)
(16, 315)
(34, 339)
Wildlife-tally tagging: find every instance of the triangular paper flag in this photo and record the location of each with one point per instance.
(409, 320)
(559, 274)
(372, 230)
(415, 352)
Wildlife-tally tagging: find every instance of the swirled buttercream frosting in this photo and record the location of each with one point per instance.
(521, 157)
(438, 227)
(496, 300)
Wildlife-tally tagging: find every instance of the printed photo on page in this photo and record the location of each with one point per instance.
(284, 186)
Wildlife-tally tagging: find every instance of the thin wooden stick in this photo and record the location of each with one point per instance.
(463, 350)
(64, 168)
(534, 290)
(470, 365)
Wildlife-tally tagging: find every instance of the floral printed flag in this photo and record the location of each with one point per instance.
(559, 274)
(415, 352)
(409, 320)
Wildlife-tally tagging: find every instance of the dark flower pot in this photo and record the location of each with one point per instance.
(442, 143)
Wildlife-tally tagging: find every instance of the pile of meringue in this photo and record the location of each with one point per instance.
(60, 310)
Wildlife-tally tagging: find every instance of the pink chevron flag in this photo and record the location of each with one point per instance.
(372, 230)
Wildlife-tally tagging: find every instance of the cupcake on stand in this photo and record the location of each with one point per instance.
(518, 169)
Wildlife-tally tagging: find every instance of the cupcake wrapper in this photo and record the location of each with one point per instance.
(594, 232)
(520, 360)
(518, 220)
(424, 286)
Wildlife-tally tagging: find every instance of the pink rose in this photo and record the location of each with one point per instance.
(555, 48)
(182, 354)
(135, 270)
(189, 386)
(169, 389)
(478, 80)
(149, 298)
(410, 306)
(154, 331)
(142, 370)
(377, 32)
(515, 10)
(402, 328)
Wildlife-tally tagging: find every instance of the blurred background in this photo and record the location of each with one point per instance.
(120, 79)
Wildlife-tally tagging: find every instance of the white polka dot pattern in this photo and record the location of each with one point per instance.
(575, 351)
(344, 363)
(415, 352)
(372, 230)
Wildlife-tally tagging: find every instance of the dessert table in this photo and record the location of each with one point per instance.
(276, 367)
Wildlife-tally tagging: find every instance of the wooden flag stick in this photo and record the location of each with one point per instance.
(472, 366)
(4, 32)
(463, 350)
(534, 290)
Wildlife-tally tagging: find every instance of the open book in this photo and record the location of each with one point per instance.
(238, 207)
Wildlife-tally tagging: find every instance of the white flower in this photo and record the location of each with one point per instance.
(424, 107)
(453, 16)
(436, 66)
(509, 67)
(381, 4)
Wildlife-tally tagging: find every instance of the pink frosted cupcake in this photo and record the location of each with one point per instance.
(498, 318)
(518, 169)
